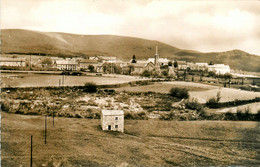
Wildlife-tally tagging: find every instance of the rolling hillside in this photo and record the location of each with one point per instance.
(62, 44)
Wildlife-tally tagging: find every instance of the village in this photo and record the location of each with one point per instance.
(103, 64)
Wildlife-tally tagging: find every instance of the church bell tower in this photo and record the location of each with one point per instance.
(156, 58)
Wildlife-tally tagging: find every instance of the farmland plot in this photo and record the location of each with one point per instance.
(227, 94)
(199, 91)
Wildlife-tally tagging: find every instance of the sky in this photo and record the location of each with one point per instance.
(206, 26)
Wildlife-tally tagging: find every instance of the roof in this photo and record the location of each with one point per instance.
(138, 65)
(182, 62)
(88, 61)
(66, 62)
(11, 59)
(107, 58)
(162, 60)
(112, 112)
(201, 64)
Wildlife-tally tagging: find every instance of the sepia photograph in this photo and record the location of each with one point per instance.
(125, 83)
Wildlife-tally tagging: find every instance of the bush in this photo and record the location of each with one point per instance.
(90, 87)
(181, 93)
(230, 116)
(212, 103)
(193, 104)
(136, 115)
(146, 73)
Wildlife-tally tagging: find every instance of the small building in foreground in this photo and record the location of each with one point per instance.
(112, 120)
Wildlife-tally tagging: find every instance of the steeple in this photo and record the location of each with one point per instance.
(156, 57)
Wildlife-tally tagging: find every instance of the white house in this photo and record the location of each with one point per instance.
(14, 62)
(161, 61)
(112, 120)
(201, 66)
(70, 65)
(219, 68)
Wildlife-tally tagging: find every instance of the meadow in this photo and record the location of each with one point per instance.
(81, 142)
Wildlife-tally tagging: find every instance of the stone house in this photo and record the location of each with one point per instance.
(112, 120)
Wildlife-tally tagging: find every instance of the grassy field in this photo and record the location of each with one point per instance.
(41, 80)
(81, 142)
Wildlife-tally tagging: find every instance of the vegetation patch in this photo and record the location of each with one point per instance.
(181, 93)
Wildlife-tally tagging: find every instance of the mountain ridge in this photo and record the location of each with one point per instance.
(20, 41)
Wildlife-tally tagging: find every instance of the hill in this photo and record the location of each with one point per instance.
(17, 41)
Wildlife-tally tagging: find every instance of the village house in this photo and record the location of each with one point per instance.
(13, 62)
(85, 63)
(112, 120)
(201, 66)
(139, 68)
(182, 65)
(219, 68)
(191, 65)
(68, 64)
(107, 59)
(161, 61)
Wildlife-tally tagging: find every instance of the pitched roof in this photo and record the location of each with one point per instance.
(66, 62)
(112, 112)
(3, 59)
(88, 61)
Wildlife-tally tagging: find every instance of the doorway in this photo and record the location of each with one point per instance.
(109, 127)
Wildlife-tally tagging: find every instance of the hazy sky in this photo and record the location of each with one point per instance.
(197, 25)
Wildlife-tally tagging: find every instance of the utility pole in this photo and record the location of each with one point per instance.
(31, 151)
(53, 118)
(45, 131)
(30, 62)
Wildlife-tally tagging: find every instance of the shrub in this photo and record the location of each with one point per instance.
(146, 73)
(193, 104)
(136, 115)
(92, 113)
(90, 87)
(169, 116)
(179, 93)
(230, 116)
(212, 103)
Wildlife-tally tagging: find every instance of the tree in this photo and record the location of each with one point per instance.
(181, 93)
(169, 63)
(211, 63)
(212, 74)
(134, 59)
(165, 73)
(91, 68)
(184, 76)
(175, 64)
(90, 87)
(146, 73)
(46, 61)
(131, 69)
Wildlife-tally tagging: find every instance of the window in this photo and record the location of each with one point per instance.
(116, 126)
(116, 118)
